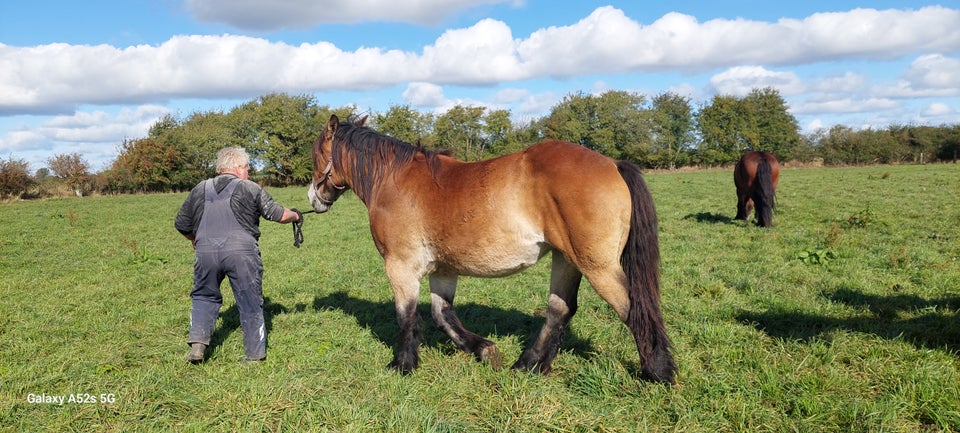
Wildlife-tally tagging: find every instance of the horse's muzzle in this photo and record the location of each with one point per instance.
(319, 204)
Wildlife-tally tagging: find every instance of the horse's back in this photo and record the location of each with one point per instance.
(575, 178)
(745, 171)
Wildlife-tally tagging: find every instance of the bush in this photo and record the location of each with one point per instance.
(15, 178)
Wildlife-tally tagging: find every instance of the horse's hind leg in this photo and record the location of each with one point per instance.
(442, 290)
(744, 203)
(561, 306)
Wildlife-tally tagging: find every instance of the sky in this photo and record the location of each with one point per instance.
(83, 76)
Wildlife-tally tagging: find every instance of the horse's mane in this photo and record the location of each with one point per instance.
(372, 155)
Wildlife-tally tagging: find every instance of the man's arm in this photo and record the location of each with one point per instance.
(289, 216)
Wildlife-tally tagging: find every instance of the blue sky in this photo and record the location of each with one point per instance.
(83, 76)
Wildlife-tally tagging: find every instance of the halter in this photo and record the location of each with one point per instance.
(326, 176)
(323, 179)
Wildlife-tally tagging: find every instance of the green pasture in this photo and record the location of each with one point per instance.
(841, 318)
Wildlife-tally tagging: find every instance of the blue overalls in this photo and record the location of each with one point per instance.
(224, 248)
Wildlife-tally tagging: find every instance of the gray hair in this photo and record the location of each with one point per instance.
(229, 158)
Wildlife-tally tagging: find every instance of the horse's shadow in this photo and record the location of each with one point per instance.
(930, 329)
(709, 217)
(488, 322)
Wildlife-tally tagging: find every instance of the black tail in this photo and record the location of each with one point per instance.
(763, 194)
(641, 263)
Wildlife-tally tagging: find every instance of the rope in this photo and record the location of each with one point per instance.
(298, 227)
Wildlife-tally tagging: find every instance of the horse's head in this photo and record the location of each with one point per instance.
(329, 181)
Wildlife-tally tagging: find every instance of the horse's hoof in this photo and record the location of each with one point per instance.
(403, 370)
(529, 366)
(491, 355)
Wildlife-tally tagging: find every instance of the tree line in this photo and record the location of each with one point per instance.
(662, 132)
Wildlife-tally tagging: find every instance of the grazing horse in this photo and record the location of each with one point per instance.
(756, 175)
(431, 214)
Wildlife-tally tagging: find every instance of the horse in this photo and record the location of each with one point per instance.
(755, 176)
(433, 215)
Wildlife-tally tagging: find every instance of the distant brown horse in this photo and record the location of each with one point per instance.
(756, 175)
(431, 214)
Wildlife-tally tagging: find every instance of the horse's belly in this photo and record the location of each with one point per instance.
(496, 257)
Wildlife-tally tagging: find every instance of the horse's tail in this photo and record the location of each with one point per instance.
(641, 263)
(763, 193)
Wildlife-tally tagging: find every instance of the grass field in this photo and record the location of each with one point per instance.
(841, 318)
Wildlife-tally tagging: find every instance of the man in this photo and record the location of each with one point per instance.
(221, 216)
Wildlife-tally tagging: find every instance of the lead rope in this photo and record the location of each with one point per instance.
(298, 227)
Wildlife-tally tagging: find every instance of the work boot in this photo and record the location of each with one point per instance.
(196, 353)
(252, 361)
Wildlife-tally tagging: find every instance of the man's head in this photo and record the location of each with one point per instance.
(233, 160)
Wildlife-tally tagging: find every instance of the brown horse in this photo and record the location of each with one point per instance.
(431, 214)
(756, 175)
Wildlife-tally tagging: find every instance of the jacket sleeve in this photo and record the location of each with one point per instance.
(188, 217)
(269, 208)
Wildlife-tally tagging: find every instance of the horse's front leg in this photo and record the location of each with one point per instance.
(442, 291)
(405, 283)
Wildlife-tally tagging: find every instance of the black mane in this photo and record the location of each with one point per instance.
(372, 156)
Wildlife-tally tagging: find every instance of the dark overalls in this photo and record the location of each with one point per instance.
(224, 248)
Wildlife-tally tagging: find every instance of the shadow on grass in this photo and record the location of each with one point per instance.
(708, 217)
(380, 319)
(230, 322)
(929, 323)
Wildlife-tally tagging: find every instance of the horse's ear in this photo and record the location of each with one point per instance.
(332, 125)
(362, 120)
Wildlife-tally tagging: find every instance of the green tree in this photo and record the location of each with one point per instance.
(769, 125)
(949, 149)
(196, 141)
(460, 129)
(496, 129)
(614, 123)
(673, 130)
(760, 121)
(404, 123)
(839, 145)
(571, 120)
(720, 124)
(279, 130)
(143, 165)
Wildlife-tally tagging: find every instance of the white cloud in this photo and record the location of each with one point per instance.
(846, 105)
(481, 54)
(22, 139)
(95, 134)
(937, 109)
(535, 105)
(740, 80)
(934, 71)
(424, 95)
(813, 125)
(278, 14)
(510, 95)
(102, 127)
(843, 83)
(931, 75)
(56, 78)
